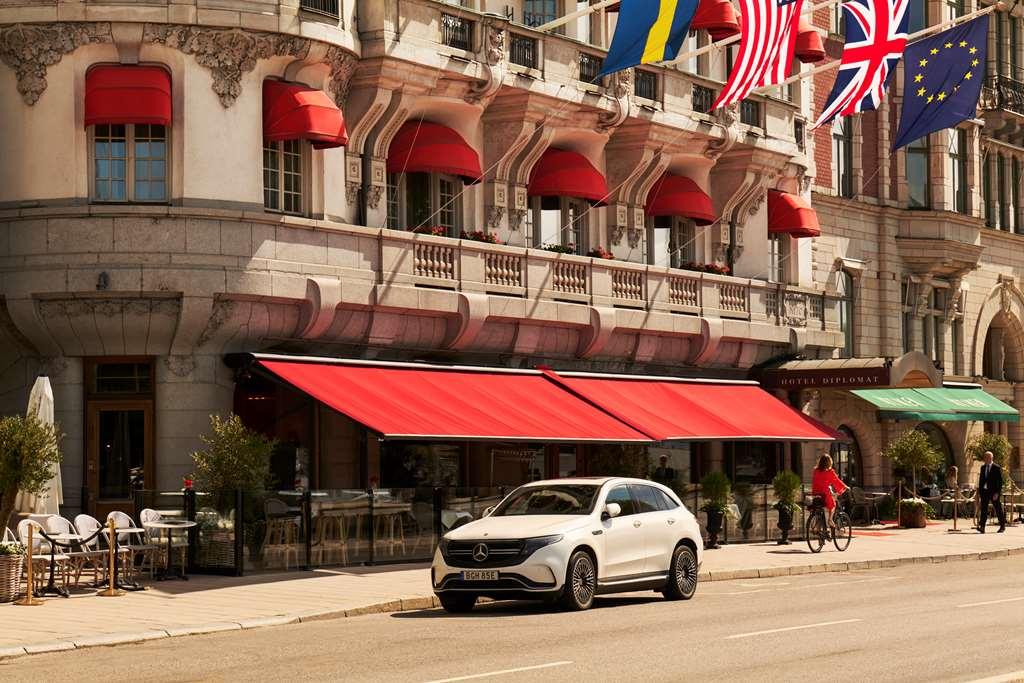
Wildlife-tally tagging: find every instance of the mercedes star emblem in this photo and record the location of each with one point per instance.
(480, 552)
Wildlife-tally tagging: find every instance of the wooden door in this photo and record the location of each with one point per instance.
(119, 436)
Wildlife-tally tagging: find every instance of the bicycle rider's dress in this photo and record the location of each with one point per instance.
(820, 483)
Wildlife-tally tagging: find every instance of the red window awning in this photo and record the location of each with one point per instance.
(669, 410)
(718, 17)
(675, 195)
(809, 47)
(425, 147)
(116, 94)
(292, 111)
(791, 214)
(409, 401)
(562, 173)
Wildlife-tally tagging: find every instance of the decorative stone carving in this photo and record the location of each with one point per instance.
(53, 367)
(633, 237)
(352, 191)
(180, 366)
(494, 216)
(617, 233)
(516, 218)
(620, 88)
(795, 310)
(343, 66)
(227, 53)
(725, 118)
(223, 309)
(493, 59)
(1005, 297)
(373, 195)
(922, 296)
(30, 48)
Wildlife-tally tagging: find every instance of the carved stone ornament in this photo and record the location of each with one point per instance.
(494, 216)
(53, 366)
(30, 48)
(373, 195)
(352, 188)
(726, 118)
(223, 309)
(493, 59)
(343, 66)
(1005, 297)
(516, 218)
(227, 53)
(620, 87)
(795, 310)
(615, 238)
(180, 366)
(633, 237)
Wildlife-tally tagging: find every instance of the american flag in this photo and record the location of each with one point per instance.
(876, 34)
(767, 40)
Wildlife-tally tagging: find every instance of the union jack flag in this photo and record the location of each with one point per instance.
(767, 41)
(876, 34)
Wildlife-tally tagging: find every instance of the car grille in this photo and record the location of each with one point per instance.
(499, 554)
(508, 582)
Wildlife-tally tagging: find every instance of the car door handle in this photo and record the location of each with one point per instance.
(637, 523)
(671, 521)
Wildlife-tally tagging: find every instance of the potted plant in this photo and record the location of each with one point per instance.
(715, 488)
(29, 452)
(560, 248)
(987, 441)
(236, 458)
(913, 450)
(480, 236)
(601, 252)
(12, 556)
(435, 230)
(786, 485)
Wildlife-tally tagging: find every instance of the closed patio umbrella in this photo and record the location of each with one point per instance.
(40, 404)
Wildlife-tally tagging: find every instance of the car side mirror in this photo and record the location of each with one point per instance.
(488, 511)
(611, 510)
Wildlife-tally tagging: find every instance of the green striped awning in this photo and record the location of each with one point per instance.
(938, 404)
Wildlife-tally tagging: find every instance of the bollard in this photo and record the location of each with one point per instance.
(28, 600)
(111, 590)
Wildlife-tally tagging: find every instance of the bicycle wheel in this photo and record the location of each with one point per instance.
(843, 532)
(816, 532)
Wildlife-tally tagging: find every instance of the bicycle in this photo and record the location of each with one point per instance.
(817, 525)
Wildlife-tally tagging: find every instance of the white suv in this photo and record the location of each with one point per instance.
(569, 540)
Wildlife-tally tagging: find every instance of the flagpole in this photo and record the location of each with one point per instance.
(913, 36)
(733, 39)
(561, 21)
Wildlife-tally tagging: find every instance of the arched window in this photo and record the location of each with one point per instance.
(846, 458)
(844, 289)
(1003, 358)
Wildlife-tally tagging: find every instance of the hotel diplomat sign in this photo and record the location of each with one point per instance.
(827, 378)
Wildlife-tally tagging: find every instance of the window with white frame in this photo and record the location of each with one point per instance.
(845, 294)
(418, 201)
(927, 314)
(842, 156)
(673, 241)
(958, 162)
(918, 174)
(778, 248)
(129, 163)
(560, 222)
(283, 176)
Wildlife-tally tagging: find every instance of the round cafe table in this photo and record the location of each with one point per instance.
(170, 526)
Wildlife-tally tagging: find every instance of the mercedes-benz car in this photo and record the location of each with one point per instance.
(567, 540)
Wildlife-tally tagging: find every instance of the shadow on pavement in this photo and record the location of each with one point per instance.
(516, 608)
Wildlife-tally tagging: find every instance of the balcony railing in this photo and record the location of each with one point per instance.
(646, 85)
(703, 98)
(326, 7)
(456, 32)
(522, 50)
(1003, 93)
(590, 67)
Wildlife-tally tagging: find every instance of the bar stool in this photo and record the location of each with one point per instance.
(281, 536)
(331, 542)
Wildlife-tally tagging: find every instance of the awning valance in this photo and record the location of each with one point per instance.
(938, 404)
(718, 17)
(792, 215)
(411, 401)
(426, 147)
(674, 195)
(809, 47)
(563, 173)
(668, 409)
(118, 94)
(292, 111)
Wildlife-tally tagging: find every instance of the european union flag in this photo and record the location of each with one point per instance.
(942, 78)
(648, 31)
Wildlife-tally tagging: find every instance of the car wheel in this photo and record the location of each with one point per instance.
(580, 582)
(682, 575)
(457, 603)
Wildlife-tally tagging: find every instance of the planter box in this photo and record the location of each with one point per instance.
(10, 576)
(913, 517)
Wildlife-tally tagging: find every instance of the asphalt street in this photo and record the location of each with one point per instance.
(958, 621)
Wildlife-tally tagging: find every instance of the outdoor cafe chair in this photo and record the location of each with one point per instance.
(87, 526)
(41, 555)
(144, 553)
(79, 556)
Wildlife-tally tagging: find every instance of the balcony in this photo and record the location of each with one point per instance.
(457, 32)
(1002, 103)
(328, 8)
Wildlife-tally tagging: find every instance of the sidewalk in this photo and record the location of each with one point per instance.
(207, 604)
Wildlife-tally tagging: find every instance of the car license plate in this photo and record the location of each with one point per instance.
(479, 575)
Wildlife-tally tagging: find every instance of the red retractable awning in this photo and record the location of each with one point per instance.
(809, 47)
(718, 17)
(671, 410)
(675, 195)
(292, 111)
(116, 94)
(425, 147)
(791, 214)
(406, 401)
(562, 173)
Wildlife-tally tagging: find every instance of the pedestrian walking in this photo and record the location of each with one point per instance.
(990, 486)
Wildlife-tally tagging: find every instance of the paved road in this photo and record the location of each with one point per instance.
(957, 621)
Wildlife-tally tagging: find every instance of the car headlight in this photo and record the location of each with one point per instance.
(532, 545)
(442, 545)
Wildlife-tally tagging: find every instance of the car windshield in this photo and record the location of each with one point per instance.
(568, 499)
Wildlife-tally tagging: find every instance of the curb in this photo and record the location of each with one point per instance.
(422, 603)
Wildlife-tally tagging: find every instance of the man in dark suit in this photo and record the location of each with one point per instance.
(990, 486)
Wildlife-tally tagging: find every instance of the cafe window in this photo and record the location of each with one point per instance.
(417, 465)
(846, 457)
(752, 462)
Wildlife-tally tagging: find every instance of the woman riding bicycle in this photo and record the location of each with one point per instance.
(824, 480)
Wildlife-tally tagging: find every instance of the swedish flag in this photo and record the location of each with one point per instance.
(648, 31)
